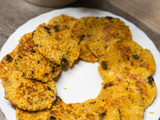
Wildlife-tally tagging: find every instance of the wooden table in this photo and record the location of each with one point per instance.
(143, 13)
(146, 11)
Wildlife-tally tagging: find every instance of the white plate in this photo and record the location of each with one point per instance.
(83, 81)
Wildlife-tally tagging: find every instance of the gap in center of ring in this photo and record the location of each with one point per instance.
(80, 83)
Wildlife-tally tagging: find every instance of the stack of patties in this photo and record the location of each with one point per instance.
(57, 41)
(29, 77)
(28, 72)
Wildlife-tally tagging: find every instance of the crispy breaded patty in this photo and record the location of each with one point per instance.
(124, 95)
(62, 22)
(145, 84)
(82, 111)
(31, 63)
(109, 105)
(126, 59)
(56, 40)
(6, 67)
(86, 54)
(126, 68)
(29, 94)
(26, 115)
(114, 102)
(98, 33)
(131, 54)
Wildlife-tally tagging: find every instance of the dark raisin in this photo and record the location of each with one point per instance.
(150, 80)
(46, 74)
(49, 88)
(104, 65)
(53, 70)
(32, 72)
(82, 37)
(52, 118)
(20, 57)
(9, 58)
(47, 29)
(102, 115)
(33, 33)
(33, 51)
(53, 96)
(56, 28)
(96, 17)
(136, 56)
(64, 61)
(107, 85)
(38, 61)
(109, 18)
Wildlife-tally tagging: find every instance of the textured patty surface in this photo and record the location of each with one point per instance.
(124, 95)
(26, 115)
(29, 94)
(31, 63)
(56, 40)
(126, 68)
(96, 34)
(83, 111)
(116, 101)
(6, 67)
(126, 59)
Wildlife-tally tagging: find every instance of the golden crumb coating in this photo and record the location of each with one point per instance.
(31, 63)
(127, 69)
(6, 67)
(29, 94)
(98, 33)
(124, 95)
(82, 111)
(26, 115)
(127, 59)
(109, 105)
(56, 40)
(65, 22)
(85, 52)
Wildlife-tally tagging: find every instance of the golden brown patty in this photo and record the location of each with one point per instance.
(82, 111)
(126, 59)
(62, 22)
(26, 115)
(56, 40)
(126, 68)
(124, 95)
(31, 63)
(98, 33)
(29, 94)
(6, 67)
(109, 105)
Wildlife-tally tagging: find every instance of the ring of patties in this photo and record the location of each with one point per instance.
(28, 73)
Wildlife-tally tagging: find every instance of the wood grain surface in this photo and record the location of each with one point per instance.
(147, 11)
